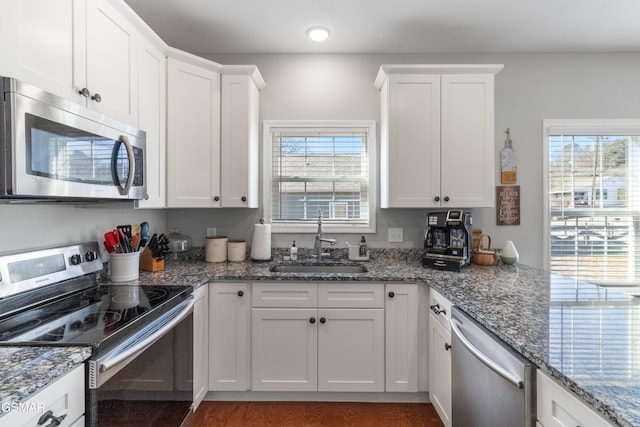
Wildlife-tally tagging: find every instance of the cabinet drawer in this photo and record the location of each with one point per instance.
(558, 407)
(440, 307)
(65, 396)
(299, 295)
(352, 295)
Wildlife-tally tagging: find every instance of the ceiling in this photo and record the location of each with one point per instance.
(395, 26)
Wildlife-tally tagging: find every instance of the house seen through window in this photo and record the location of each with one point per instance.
(323, 165)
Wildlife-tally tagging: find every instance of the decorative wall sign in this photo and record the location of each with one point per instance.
(508, 205)
(508, 165)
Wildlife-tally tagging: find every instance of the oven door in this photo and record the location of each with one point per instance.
(147, 380)
(71, 153)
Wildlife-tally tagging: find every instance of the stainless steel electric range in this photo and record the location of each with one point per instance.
(141, 367)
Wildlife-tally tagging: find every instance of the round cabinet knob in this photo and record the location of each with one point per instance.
(312, 320)
(243, 198)
(97, 97)
(391, 295)
(240, 293)
(437, 198)
(323, 320)
(216, 199)
(84, 92)
(76, 259)
(446, 199)
(447, 346)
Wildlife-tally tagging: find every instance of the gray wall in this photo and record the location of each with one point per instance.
(532, 87)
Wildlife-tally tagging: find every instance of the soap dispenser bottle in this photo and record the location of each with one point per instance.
(293, 252)
(362, 252)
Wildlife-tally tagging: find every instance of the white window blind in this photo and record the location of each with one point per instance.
(594, 202)
(324, 167)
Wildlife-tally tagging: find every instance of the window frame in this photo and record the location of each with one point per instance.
(573, 127)
(267, 177)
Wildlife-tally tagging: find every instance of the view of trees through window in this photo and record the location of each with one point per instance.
(594, 202)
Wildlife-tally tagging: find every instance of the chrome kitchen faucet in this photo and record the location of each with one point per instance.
(317, 249)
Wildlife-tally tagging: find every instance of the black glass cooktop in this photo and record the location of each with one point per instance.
(98, 315)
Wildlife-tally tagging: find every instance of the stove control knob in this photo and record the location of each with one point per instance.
(90, 256)
(76, 259)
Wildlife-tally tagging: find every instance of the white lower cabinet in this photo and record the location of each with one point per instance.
(557, 407)
(228, 336)
(284, 349)
(401, 329)
(200, 345)
(63, 398)
(440, 356)
(317, 337)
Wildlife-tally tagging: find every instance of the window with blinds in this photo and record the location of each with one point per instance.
(314, 166)
(593, 231)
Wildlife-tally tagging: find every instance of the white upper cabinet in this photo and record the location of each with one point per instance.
(110, 71)
(71, 47)
(241, 86)
(212, 133)
(437, 126)
(152, 113)
(193, 132)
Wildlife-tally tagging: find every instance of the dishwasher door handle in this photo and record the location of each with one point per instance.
(483, 357)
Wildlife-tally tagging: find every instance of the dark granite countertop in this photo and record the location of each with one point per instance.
(585, 336)
(26, 370)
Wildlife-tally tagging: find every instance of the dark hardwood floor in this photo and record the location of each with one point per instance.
(317, 414)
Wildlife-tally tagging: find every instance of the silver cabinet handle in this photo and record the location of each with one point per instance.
(97, 97)
(483, 357)
(84, 92)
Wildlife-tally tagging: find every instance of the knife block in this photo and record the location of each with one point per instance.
(149, 263)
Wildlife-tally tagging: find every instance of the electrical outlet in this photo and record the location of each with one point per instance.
(211, 231)
(395, 235)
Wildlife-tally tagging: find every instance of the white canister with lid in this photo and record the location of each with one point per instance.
(216, 250)
(236, 250)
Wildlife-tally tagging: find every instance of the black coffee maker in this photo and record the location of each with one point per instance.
(447, 240)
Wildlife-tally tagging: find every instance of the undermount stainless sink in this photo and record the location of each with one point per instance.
(317, 268)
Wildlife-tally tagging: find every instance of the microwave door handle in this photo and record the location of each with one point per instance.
(132, 165)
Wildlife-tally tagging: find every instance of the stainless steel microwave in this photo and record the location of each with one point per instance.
(54, 149)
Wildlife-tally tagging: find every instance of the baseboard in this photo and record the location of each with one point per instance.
(277, 396)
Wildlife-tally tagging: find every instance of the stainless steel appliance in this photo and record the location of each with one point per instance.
(53, 149)
(141, 367)
(447, 240)
(492, 385)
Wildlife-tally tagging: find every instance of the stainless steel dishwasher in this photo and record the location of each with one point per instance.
(492, 385)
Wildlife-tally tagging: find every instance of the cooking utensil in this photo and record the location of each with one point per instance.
(135, 242)
(136, 229)
(112, 242)
(126, 229)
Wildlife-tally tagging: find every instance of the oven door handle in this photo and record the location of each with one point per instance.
(138, 348)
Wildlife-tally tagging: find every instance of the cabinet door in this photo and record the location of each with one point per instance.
(193, 129)
(284, 349)
(200, 345)
(43, 42)
(410, 141)
(401, 348)
(239, 142)
(152, 83)
(467, 168)
(351, 350)
(440, 369)
(65, 396)
(228, 336)
(111, 64)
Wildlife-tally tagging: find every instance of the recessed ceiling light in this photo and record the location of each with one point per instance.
(318, 34)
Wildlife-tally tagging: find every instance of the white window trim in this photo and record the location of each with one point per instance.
(573, 127)
(268, 125)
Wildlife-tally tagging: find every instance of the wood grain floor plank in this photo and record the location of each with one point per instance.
(315, 414)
